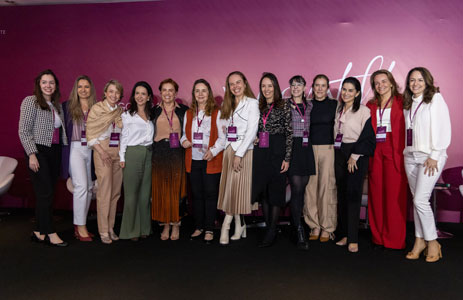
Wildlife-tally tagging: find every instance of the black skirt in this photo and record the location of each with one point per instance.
(302, 159)
(268, 184)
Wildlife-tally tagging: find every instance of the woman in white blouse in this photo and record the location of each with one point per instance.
(204, 139)
(135, 160)
(241, 109)
(428, 132)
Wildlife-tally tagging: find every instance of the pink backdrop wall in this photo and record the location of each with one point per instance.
(187, 40)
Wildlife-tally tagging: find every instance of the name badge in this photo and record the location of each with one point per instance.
(264, 139)
(409, 137)
(197, 139)
(114, 139)
(174, 141)
(232, 135)
(55, 138)
(83, 138)
(305, 139)
(338, 141)
(381, 134)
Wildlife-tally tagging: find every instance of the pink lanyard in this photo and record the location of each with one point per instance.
(200, 122)
(414, 114)
(297, 107)
(171, 117)
(340, 115)
(381, 113)
(264, 119)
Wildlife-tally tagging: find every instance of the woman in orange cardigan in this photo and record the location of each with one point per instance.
(204, 139)
(387, 182)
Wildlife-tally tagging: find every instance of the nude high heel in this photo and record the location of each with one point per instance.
(224, 233)
(434, 258)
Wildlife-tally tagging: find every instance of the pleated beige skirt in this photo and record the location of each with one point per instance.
(235, 187)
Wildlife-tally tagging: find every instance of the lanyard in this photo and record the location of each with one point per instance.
(197, 118)
(381, 113)
(414, 114)
(340, 115)
(297, 107)
(264, 119)
(171, 117)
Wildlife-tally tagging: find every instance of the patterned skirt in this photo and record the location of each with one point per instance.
(235, 187)
(168, 183)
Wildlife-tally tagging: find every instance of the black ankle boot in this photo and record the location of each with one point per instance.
(269, 238)
(302, 243)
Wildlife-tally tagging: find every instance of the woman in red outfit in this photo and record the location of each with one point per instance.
(387, 182)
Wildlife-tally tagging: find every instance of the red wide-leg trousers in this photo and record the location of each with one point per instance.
(387, 198)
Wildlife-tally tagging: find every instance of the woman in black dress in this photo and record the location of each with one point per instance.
(272, 154)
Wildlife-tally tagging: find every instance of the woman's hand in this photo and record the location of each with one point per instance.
(284, 166)
(256, 141)
(122, 164)
(351, 165)
(208, 156)
(106, 159)
(237, 164)
(186, 144)
(430, 165)
(34, 163)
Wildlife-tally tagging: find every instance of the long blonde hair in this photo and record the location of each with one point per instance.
(75, 109)
(228, 104)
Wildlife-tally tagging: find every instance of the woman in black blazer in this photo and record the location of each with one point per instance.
(42, 133)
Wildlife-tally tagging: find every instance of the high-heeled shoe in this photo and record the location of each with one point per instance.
(324, 239)
(79, 237)
(434, 258)
(224, 232)
(342, 242)
(197, 234)
(353, 248)
(208, 237)
(49, 243)
(269, 238)
(165, 232)
(413, 255)
(313, 235)
(302, 243)
(240, 229)
(35, 239)
(175, 234)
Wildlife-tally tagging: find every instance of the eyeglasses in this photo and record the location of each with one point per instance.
(297, 85)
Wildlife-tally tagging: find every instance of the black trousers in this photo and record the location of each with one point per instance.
(350, 187)
(205, 190)
(44, 182)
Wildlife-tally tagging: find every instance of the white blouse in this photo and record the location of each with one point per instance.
(135, 132)
(246, 119)
(431, 127)
(56, 117)
(386, 119)
(205, 129)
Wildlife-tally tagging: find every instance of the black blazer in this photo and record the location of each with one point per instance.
(180, 110)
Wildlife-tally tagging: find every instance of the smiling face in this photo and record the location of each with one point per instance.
(168, 93)
(83, 89)
(383, 86)
(237, 85)
(267, 89)
(348, 93)
(112, 95)
(320, 89)
(47, 86)
(141, 96)
(416, 83)
(297, 89)
(201, 93)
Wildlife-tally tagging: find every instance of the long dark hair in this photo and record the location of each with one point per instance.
(38, 91)
(428, 92)
(277, 97)
(228, 104)
(356, 83)
(210, 103)
(133, 104)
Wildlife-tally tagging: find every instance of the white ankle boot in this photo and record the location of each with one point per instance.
(224, 240)
(240, 229)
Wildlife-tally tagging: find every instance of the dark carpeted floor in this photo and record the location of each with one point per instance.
(184, 269)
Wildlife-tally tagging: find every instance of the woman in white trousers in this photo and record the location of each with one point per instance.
(428, 134)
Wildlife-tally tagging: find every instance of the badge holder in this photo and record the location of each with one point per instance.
(232, 135)
(338, 141)
(264, 139)
(381, 134)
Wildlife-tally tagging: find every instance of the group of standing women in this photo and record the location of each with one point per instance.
(240, 155)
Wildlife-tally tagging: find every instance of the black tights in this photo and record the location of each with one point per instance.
(271, 215)
(298, 184)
